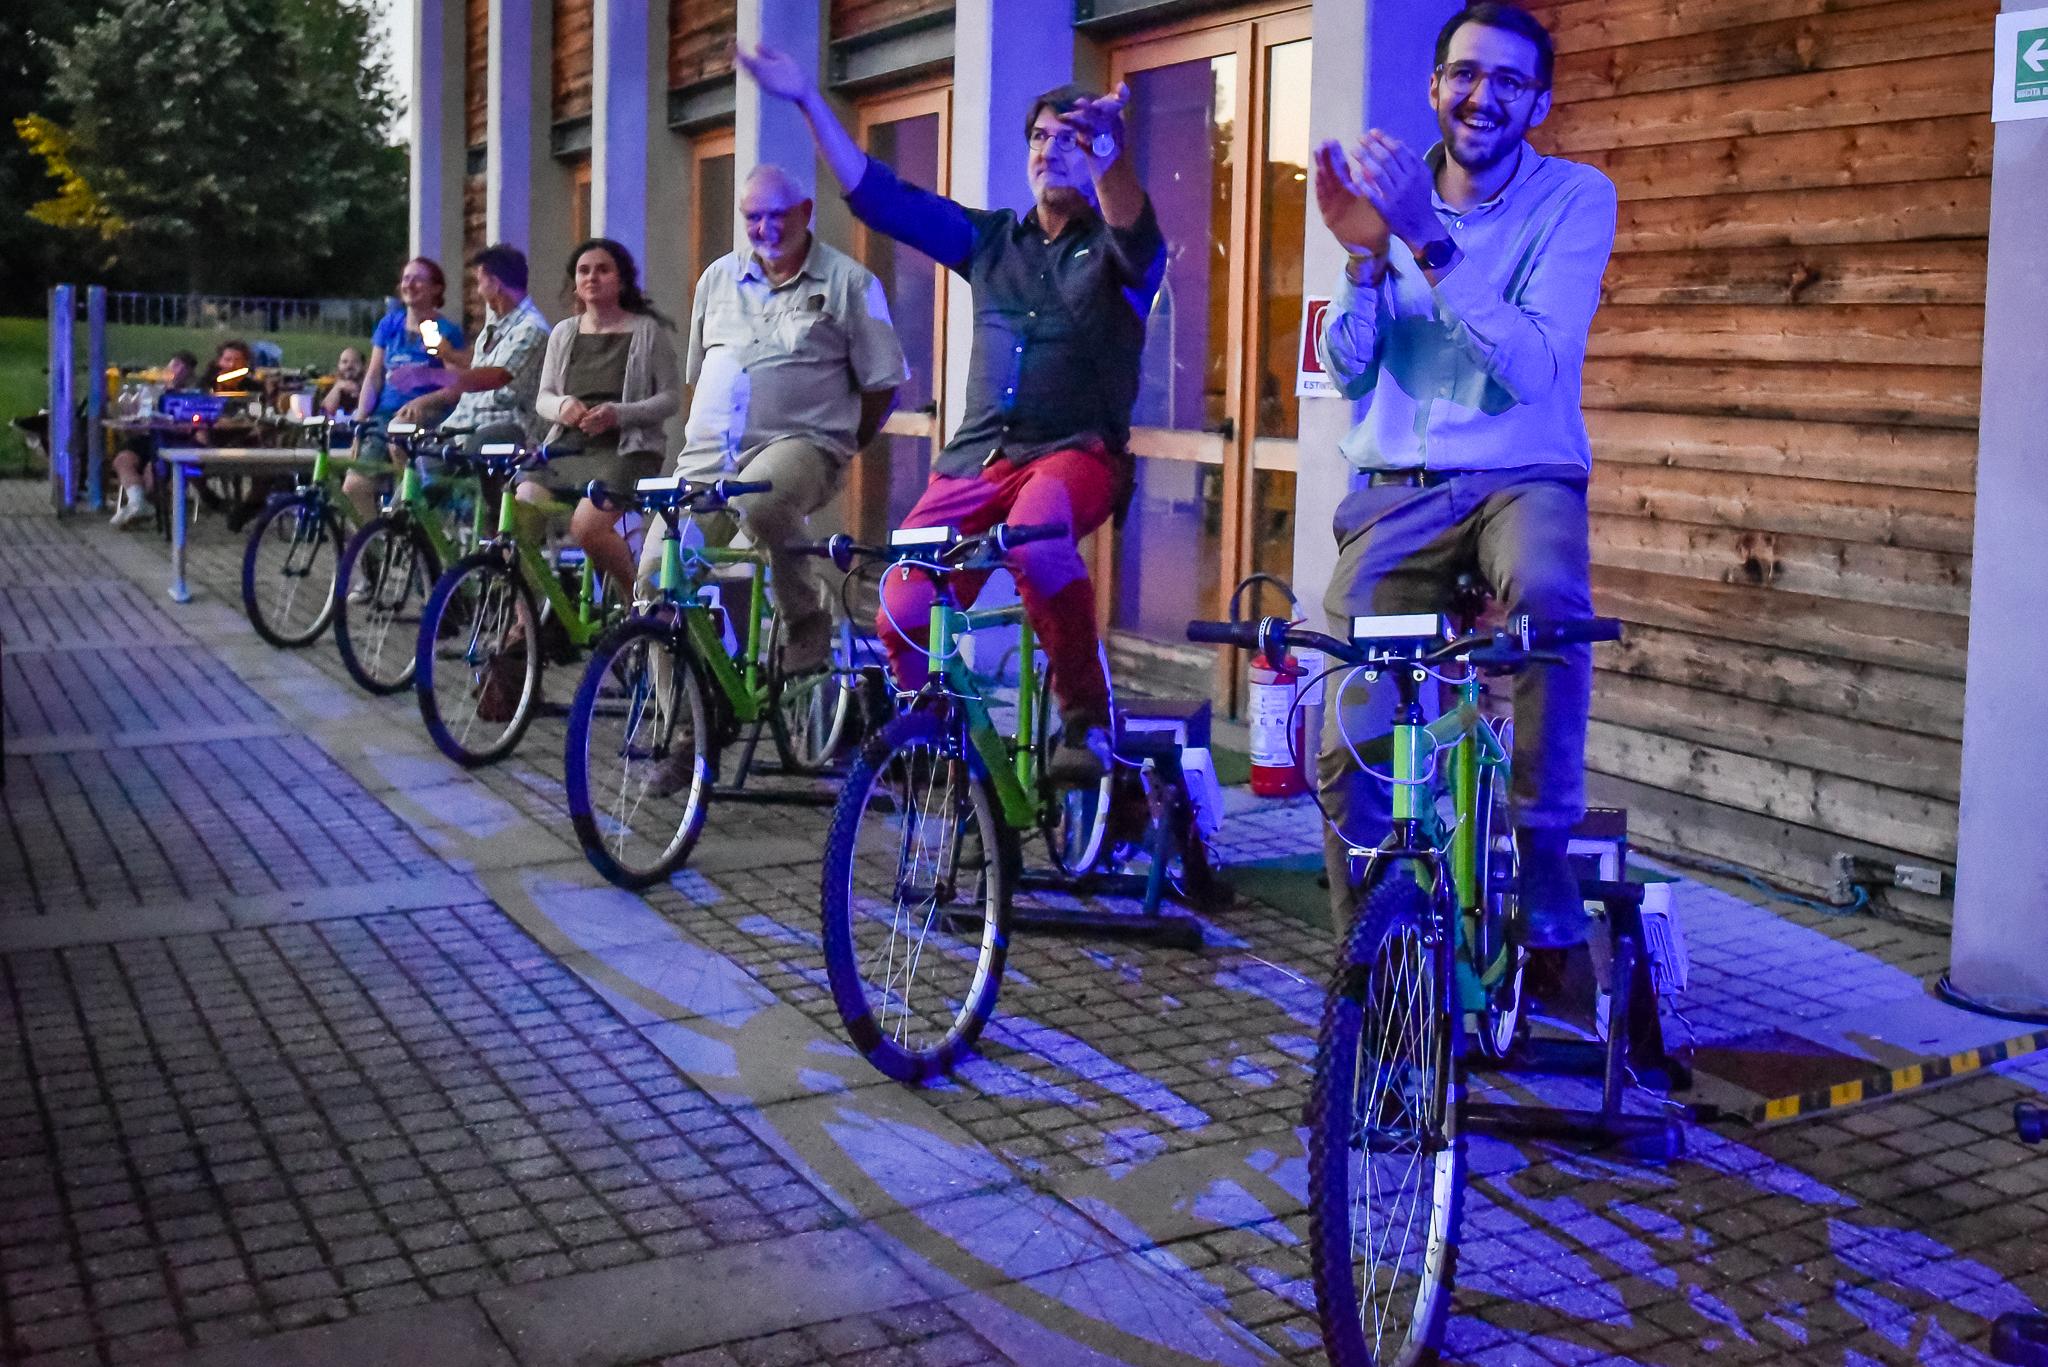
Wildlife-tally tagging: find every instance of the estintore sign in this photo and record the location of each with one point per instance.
(1309, 379)
(2020, 88)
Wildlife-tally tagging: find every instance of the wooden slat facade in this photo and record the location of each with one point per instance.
(574, 52)
(851, 18)
(699, 35)
(1782, 388)
(476, 71)
(472, 243)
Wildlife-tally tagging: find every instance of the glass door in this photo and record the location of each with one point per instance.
(1219, 134)
(911, 132)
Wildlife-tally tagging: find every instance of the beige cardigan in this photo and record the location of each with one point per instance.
(653, 384)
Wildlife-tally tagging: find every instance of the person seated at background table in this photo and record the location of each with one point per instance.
(493, 391)
(794, 363)
(607, 384)
(401, 339)
(229, 369)
(347, 389)
(137, 452)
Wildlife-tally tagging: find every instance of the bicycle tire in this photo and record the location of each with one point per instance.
(1389, 1018)
(478, 615)
(814, 723)
(1074, 822)
(313, 535)
(896, 774)
(1498, 1026)
(378, 639)
(608, 814)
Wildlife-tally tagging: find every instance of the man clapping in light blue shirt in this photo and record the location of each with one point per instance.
(1462, 317)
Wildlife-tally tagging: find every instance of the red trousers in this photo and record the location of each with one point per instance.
(1075, 487)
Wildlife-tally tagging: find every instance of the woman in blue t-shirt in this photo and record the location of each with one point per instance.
(399, 341)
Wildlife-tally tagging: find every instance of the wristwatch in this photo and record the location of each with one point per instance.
(1104, 145)
(1434, 256)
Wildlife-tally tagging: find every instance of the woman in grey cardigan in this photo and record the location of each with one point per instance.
(607, 384)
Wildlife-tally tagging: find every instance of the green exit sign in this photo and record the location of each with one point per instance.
(2030, 66)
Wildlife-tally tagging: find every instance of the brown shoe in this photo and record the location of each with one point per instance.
(504, 681)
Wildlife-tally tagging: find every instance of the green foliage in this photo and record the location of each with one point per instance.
(232, 146)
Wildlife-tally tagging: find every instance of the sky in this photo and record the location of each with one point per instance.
(394, 34)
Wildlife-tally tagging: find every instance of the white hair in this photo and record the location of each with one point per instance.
(768, 175)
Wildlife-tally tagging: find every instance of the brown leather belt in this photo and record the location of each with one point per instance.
(1414, 479)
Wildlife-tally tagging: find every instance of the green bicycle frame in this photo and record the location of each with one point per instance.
(743, 685)
(1014, 773)
(577, 616)
(411, 495)
(1467, 747)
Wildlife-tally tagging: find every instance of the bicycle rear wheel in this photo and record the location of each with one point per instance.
(815, 716)
(1074, 821)
(917, 881)
(289, 568)
(638, 763)
(1498, 935)
(477, 667)
(387, 571)
(1386, 1157)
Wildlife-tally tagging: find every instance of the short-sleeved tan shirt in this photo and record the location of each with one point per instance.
(795, 359)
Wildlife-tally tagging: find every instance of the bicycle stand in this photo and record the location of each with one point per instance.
(1154, 734)
(1634, 1048)
(871, 716)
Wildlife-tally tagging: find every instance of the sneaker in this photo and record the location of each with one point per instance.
(131, 505)
(1553, 911)
(504, 679)
(362, 580)
(1082, 756)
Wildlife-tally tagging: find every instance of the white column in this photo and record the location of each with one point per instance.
(439, 154)
(628, 85)
(1004, 53)
(1999, 956)
(1371, 70)
(524, 188)
(767, 129)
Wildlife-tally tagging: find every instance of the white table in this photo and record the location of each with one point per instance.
(188, 462)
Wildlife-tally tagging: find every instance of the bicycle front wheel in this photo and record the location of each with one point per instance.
(289, 568)
(917, 880)
(477, 662)
(638, 762)
(1386, 1157)
(387, 571)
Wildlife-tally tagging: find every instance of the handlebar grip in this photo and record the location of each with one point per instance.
(1013, 534)
(735, 488)
(1585, 631)
(1245, 634)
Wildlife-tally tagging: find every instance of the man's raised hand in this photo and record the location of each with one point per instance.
(775, 71)
(1092, 117)
(1341, 198)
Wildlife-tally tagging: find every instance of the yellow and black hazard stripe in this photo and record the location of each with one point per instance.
(1895, 1081)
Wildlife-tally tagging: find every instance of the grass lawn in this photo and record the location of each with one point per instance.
(24, 345)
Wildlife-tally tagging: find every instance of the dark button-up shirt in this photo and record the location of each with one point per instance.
(1058, 324)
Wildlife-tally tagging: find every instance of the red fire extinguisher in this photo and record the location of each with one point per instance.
(1277, 735)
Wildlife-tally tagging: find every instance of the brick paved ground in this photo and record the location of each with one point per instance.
(353, 1039)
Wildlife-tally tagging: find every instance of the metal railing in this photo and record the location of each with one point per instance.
(245, 313)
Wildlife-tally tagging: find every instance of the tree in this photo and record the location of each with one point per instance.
(32, 254)
(231, 146)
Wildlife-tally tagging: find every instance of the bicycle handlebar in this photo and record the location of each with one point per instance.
(842, 550)
(1522, 641)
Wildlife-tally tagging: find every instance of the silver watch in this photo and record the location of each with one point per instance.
(1104, 145)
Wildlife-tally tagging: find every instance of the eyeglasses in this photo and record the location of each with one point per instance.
(1464, 77)
(1062, 138)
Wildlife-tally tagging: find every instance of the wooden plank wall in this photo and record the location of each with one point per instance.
(699, 32)
(850, 18)
(573, 53)
(1782, 389)
(476, 75)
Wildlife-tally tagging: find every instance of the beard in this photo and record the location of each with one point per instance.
(1473, 151)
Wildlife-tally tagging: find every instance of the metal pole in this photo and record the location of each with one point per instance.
(63, 478)
(96, 395)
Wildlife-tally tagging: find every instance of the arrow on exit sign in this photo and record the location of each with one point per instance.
(2030, 66)
(2037, 55)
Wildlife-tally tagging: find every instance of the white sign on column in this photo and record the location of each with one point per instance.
(2019, 88)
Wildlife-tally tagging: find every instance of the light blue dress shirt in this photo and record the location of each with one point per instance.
(1482, 370)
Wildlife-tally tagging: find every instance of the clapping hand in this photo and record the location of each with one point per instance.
(598, 419)
(1400, 186)
(1341, 197)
